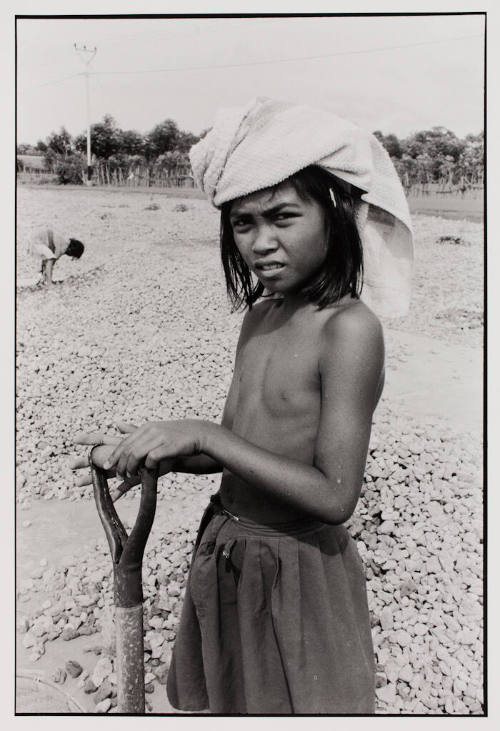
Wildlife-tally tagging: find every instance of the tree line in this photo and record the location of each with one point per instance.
(437, 156)
(159, 157)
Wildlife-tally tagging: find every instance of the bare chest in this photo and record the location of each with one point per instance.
(277, 372)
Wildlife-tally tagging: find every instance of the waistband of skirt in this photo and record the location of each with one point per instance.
(292, 527)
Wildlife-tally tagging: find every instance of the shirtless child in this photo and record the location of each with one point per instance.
(275, 616)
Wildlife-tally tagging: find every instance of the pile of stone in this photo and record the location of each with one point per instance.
(419, 531)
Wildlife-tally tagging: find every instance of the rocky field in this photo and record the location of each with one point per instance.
(139, 328)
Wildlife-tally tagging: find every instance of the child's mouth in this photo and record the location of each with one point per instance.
(269, 269)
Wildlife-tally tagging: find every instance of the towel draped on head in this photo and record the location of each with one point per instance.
(262, 144)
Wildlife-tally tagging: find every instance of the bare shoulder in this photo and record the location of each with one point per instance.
(354, 318)
(352, 330)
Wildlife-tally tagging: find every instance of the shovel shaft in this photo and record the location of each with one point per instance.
(130, 659)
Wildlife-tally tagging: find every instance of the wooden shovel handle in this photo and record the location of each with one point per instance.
(127, 551)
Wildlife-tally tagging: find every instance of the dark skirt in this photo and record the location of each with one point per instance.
(275, 620)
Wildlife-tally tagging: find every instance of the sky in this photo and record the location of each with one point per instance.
(393, 74)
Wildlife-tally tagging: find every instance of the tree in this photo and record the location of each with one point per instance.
(185, 141)
(60, 142)
(471, 162)
(390, 142)
(131, 143)
(105, 138)
(437, 141)
(414, 145)
(393, 146)
(162, 138)
(70, 169)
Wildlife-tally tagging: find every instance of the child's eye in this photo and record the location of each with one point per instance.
(284, 217)
(240, 224)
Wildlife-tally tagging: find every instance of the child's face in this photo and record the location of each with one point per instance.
(281, 236)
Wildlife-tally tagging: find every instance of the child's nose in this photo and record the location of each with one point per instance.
(264, 241)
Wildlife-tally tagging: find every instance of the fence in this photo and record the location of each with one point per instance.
(142, 176)
(178, 175)
(33, 169)
(463, 189)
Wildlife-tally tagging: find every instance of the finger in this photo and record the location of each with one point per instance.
(99, 454)
(126, 428)
(121, 489)
(84, 480)
(77, 462)
(155, 456)
(138, 453)
(122, 448)
(89, 438)
(96, 437)
(120, 455)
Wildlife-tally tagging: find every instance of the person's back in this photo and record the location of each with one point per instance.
(47, 246)
(45, 243)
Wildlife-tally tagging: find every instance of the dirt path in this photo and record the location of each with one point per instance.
(436, 380)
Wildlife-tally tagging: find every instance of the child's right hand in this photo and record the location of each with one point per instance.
(104, 445)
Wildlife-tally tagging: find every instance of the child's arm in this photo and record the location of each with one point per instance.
(350, 363)
(200, 464)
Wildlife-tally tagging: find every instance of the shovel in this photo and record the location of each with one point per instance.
(127, 552)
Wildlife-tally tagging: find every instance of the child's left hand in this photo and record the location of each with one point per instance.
(156, 441)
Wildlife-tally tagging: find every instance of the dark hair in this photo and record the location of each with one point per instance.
(75, 248)
(342, 271)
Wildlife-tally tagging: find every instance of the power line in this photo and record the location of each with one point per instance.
(57, 81)
(282, 60)
(266, 62)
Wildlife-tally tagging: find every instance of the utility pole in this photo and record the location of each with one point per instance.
(87, 55)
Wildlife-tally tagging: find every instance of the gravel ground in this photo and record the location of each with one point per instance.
(139, 328)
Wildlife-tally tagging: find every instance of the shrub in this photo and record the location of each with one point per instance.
(70, 170)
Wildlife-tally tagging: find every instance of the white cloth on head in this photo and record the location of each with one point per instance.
(264, 143)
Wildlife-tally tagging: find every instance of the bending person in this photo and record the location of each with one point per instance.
(48, 246)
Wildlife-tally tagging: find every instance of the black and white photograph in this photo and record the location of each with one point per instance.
(250, 258)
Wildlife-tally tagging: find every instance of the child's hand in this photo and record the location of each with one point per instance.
(99, 456)
(153, 442)
(104, 446)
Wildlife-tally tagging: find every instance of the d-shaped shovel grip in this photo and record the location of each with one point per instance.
(127, 551)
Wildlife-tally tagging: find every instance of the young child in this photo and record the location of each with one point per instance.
(275, 616)
(47, 247)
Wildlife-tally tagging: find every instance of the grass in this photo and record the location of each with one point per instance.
(449, 206)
